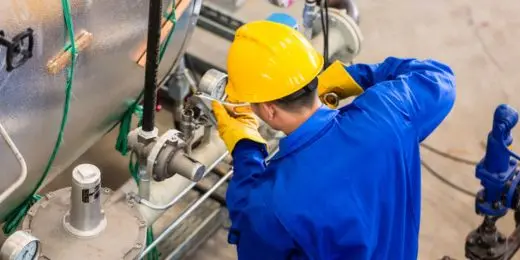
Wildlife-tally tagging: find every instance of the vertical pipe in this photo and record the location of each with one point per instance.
(144, 182)
(309, 16)
(152, 64)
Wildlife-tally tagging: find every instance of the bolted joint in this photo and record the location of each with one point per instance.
(147, 136)
(141, 142)
(165, 157)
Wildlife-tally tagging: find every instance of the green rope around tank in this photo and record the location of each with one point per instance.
(14, 218)
(125, 125)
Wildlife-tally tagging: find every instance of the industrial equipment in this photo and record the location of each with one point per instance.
(498, 174)
(62, 91)
(86, 221)
(107, 77)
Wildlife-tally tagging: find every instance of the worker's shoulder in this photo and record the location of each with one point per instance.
(376, 122)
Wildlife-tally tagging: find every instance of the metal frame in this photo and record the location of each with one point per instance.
(218, 22)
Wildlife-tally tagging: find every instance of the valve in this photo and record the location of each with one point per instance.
(19, 49)
(499, 178)
(497, 171)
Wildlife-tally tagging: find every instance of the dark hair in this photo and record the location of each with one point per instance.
(302, 98)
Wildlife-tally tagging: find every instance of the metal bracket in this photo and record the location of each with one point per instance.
(19, 49)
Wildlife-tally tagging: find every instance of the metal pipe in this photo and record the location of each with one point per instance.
(183, 192)
(165, 191)
(144, 182)
(152, 64)
(309, 16)
(185, 214)
(21, 161)
(193, 207)
(194, 234)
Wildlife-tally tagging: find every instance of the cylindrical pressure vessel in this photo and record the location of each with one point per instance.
(109, 74)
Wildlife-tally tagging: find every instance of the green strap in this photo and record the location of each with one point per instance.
(14, 218)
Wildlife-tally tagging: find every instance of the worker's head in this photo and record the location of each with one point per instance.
(274, 68)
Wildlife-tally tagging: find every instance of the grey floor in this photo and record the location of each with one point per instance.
(477, 38)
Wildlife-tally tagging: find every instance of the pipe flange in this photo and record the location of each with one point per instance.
(81, 233)
(170, 137)
(349, 29)
(125, 231)
(146, 137)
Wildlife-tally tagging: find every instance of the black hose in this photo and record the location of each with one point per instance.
(152, 65)
(448, 156)
(437, 175)
(327, 63)
(325, 31)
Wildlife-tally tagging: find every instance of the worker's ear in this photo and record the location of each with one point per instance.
(267, 110)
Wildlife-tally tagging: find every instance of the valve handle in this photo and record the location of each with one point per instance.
(497, 155)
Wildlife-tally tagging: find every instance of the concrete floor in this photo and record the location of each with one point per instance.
(477, 38)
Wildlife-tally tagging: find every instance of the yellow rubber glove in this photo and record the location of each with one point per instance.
(232, 130)
(335, 79)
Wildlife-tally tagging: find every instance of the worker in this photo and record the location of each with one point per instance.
(345, 183)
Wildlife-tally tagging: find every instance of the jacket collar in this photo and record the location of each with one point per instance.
(306, 132)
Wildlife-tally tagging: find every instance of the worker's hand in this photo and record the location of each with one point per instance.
(335, 79)
(234, 129)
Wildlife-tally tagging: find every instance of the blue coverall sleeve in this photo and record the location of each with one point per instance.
(255, 229)
(421, 92)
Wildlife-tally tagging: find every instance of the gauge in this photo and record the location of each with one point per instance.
(20, 246)
(213, 83)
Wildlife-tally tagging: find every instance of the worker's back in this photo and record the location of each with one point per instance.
(353, 190)
(346, 184)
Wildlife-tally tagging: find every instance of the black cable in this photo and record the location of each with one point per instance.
(448, 156)
(446, 181)
(439, 176)
(325, 34)
(326, 40)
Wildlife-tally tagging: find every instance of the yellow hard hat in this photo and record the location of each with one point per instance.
(268, 61)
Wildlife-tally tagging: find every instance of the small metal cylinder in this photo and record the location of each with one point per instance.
(186, 166)
(186, 124)
(85, 217)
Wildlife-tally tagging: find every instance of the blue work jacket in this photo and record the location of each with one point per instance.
(347, 183)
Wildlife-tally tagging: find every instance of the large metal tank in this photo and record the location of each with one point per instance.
(107, 78)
